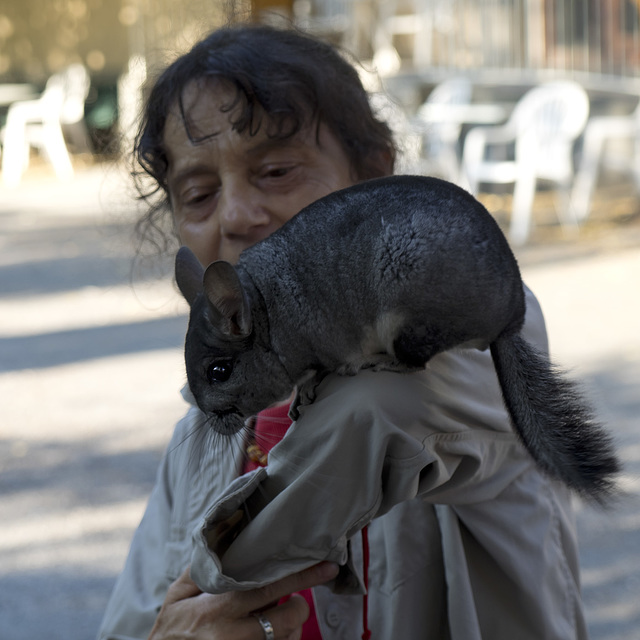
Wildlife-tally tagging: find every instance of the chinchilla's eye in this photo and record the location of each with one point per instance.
(219, 371)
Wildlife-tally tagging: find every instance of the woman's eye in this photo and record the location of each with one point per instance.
(277, 172)
(197, 198)
(219, 371)
(196, 194)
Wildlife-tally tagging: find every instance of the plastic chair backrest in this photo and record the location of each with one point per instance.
(76, 83)
(456, 91)
(546, 122)
(452, 91)
(556, 111)
(65, 94)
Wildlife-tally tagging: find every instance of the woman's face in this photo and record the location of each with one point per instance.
(232, 190)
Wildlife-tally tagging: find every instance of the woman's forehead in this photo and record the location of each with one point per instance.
(203, 107)
(208, 109)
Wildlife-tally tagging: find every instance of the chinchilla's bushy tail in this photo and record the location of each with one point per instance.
(554, 422)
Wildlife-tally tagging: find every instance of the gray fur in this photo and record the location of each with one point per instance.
(383, 275)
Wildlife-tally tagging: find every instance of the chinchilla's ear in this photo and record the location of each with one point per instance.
(228, 300)
(189, 274)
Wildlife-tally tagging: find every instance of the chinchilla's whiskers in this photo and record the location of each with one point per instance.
(220, 444)
(193, 432)
(203, 440)
(190, 440)
(274, 420)
(205, 443)
(266, 437)
(240, 441)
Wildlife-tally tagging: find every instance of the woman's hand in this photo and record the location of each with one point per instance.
(187, 612)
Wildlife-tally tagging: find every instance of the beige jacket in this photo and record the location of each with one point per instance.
(467, 539)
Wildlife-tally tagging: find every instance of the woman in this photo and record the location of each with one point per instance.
(239, 134)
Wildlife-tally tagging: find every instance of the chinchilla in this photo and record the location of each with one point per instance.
(382, 275)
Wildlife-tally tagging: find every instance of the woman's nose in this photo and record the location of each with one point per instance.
(242, 211)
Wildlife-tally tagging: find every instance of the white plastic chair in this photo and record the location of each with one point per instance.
(598, 132)
(440, 155)
(541, 133)
(38, 123)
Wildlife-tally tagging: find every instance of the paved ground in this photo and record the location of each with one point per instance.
(90, 367)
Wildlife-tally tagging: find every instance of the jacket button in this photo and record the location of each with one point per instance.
(333, 617)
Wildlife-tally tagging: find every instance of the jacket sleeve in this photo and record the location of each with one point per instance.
(141, 587)
(365, 444)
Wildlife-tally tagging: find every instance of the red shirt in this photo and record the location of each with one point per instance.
(271, 425)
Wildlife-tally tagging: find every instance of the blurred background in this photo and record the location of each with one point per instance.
(533, 105)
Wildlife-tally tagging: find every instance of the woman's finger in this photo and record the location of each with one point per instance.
(258, 599)
(182, 588)
(286, 618)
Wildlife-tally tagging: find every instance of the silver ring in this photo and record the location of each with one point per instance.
(267, 627)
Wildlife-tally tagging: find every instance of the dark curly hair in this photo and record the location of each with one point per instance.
(294, 79)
